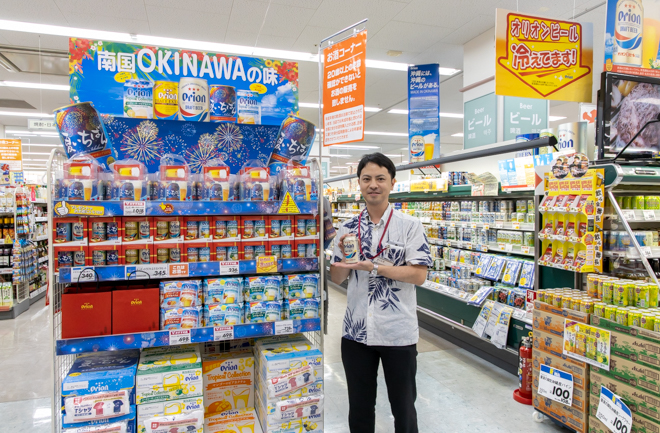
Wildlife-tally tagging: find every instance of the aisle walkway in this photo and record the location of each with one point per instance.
(457, 391)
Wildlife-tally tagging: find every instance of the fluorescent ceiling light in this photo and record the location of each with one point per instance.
(26, 135)
(43, 86)
(458, 134)
(45, 29)
(352, 163)
(404, 162)
(393, 134)
(44, 145)
(350, 146)
(24, 114)
(555, 118)
(316, 105)
(36, 153)
(393, 155)
(334, 171)
(340, 156)
(453, 115)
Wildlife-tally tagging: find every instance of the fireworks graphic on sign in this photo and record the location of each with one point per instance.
(114, 127)
(142, 143)
(173, 144)
(188, 129)
(205, 151)
(230, 144)
(261, 138)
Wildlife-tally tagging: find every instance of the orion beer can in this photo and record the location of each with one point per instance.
(350, 249)
(628, 26)
(193, 99)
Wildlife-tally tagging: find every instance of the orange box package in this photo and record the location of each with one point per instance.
(226, 228)
(253, 228)
(197, 228)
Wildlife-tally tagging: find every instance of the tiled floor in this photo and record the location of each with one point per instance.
(457, 391)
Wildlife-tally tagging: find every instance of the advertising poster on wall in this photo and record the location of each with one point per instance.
(11, 159)
(542, 57)
(632, 37)
(423, 112)
(146, 82)
(344, 78)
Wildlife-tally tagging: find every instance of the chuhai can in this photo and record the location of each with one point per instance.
(78, 258)
(232, 253)
(248, 107)
(77, 231)
(166, 100)
(259, 250)
(204, 230)
(220, 229)
(175, 229)
(275, 228)
(192, 229)
(223, 103)
(248, 252)
(98, 232)
(63, 232)
(301, 227)
(193, 99)
(145, 230)
(286, 251)
(138, 99)
(350, 249)
(112, 231)
(80, 129)
(112, 258)
(204, 254)
(248, 229)
(311, 251)
(98, 258)
(275, 251)
(296, 135)
(221, 253)
(310, 228)
(193, 254)
(285, 227)
(64, 259)
(260, 228)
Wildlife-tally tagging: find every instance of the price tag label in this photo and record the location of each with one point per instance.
(515, 226)
(358, 196)
(649, 215)
(460, 244)
(647, 251)
(82, 274)
(499, 225)
(519, 314)
(229, 268)
(486, 226)
(180, 336)
(146, 272)
(221, 333)
(525, 249)
(452, 224)
(468, 245)
(613, 412)
(629, 215)
(135, 208)
(464, 225)
(556, 385)
(473, 225)
(508, 247)
(284, 327)
(501, 246)
(484, 248)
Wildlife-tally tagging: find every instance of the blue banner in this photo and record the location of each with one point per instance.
(423, 112)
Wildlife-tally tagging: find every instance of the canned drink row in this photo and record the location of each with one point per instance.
(641, 202)
(622, 292)
(621, 240)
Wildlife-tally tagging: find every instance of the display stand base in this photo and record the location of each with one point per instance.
(16, 310)
(38, 297)
(520, 399)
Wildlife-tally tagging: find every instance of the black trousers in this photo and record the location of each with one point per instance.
(361, 367)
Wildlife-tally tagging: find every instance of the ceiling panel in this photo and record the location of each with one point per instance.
(32, 11)
(132, 9)
(31, 40)
(450, 13)
(286, 21)
(167, 21)
(311, 36)
(278, 42)
(402, 36)
(339, 14)
(471, 30)
(447, 55)
(247, 16)
(110, 23)
(219, 7)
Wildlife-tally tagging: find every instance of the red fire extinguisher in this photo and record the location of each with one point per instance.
(524, 392)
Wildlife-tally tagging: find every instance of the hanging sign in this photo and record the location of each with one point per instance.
(542, 57)
(344, 72)
(11, 158)
(423, 112)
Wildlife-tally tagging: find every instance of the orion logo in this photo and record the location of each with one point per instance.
(228, 367)
(167, 95)
(139, 93)
(193, 97)
(86, 306)
(136, 301)
(629, 17)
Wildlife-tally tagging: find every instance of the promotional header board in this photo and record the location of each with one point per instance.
(542, 57)
(99, 71)
(11, 158)
(423, 112)
(344, 76)
(524, 116)
(632, 37)
(480, 121)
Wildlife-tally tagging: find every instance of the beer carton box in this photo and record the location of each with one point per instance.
(637, 400)
(281, 227)
(229, 380)
(578, 369)
(233, 421)
(254, 228)
(105, 255)
(551, 319)
(197, 228)
(574, 418)
(306, 227)
(226, 228)
(135, 253)
(641, 424)
(175, 407)
(595, 426)
(548, 343)
(632, 343)
(636, 375)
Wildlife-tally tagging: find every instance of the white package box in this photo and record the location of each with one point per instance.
(279, 358)
(170, 373)
(167, 408)
(229, 381)
(233, 421)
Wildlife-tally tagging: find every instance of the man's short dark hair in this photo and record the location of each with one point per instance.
(380, 160)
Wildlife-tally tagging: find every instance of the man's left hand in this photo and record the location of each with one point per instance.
(359, 266)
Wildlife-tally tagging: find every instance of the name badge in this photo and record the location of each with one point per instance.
(382, 261)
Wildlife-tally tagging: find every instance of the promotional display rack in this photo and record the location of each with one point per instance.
(65, 350)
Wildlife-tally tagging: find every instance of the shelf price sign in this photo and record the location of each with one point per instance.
(229, 268)
(82, 274)
(180, 336)
(556, 385)
(284, 327)
(613, 412)
(221, 333)
(344, 77)
(135, 208)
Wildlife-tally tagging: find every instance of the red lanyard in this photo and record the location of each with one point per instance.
(378, 250)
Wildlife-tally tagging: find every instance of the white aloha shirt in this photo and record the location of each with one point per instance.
(381, 311)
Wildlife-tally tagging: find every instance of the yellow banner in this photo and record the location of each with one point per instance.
(63, 209)
(266, 264)
(543, 58)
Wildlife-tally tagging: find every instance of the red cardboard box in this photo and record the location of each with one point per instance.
(226, 228)
(193, 252)
(135, 310)
(109, 252)
(281, 227)
(253, 228)
(304, 229)
(86, 312)
(165, 227)
(302, 248)
(281, 248)
(226, 251)
(197, 228)
(164, 253)
(141, 253)
(138, 229)
(63, 229)
(250, 250)
(67, 256)
(112, 224)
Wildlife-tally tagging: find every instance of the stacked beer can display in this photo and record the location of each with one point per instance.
(289, 384)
